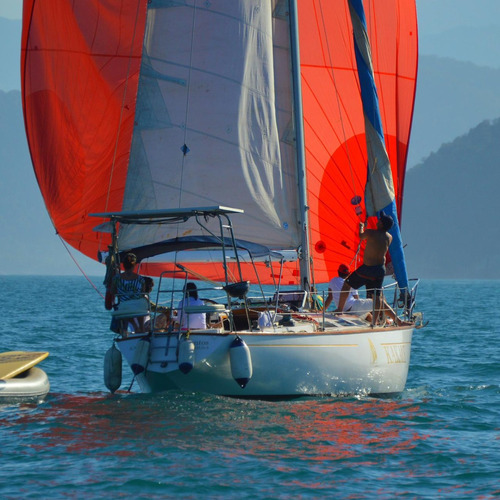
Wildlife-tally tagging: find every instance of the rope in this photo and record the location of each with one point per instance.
(79, 267)
(121, 110)
(196, 275)
(353, 186)
(131, 384)
(188, 102)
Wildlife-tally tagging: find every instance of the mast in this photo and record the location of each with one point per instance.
(304, 257)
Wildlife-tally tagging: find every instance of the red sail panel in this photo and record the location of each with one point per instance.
(336, 158)
(80, 66)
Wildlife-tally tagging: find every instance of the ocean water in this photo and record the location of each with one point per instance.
(439, 439)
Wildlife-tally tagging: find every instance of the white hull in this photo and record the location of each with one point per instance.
(30, 386)
(345, 362)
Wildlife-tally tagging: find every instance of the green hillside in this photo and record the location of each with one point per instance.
(450, 214)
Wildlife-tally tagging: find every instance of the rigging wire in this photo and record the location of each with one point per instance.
(330, 61)
(184, 148)
(124, 94)
(80, 268)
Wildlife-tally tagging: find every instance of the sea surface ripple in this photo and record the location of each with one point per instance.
(439, 439)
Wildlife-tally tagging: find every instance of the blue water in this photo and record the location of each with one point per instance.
(440, 439)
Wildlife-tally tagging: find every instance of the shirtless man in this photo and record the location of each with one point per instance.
(371, 273)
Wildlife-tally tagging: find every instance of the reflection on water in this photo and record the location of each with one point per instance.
(345, 429)
(179, 443)
(322, 429)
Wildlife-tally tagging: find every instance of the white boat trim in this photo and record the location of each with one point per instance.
(360, 361)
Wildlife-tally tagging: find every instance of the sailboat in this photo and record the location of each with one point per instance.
(237, 144)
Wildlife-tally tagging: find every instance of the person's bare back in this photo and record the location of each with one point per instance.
(377, 244)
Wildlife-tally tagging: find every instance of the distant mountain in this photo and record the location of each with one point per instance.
(452, 97)
(437, 16)
(479, 45)
(450, 213)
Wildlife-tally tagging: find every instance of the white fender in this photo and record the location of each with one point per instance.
(141, 356)
(186, 355)
(113, 369)
(241, 362)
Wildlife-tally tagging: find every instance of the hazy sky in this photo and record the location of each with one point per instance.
(11, 9)
(459, 12)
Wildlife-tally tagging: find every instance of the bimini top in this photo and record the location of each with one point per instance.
(166, 215)
(181, 243)
(189, 243)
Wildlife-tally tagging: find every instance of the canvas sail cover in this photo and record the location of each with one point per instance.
(156, 104)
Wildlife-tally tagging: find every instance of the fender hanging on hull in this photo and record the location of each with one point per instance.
(113, 369)
(186, 355)
(241, 362)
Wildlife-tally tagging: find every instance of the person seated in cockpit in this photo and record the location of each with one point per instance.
(195, 321)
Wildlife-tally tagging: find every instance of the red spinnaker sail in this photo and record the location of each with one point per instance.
(80, 65)
(333, 118)
(80, 69)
